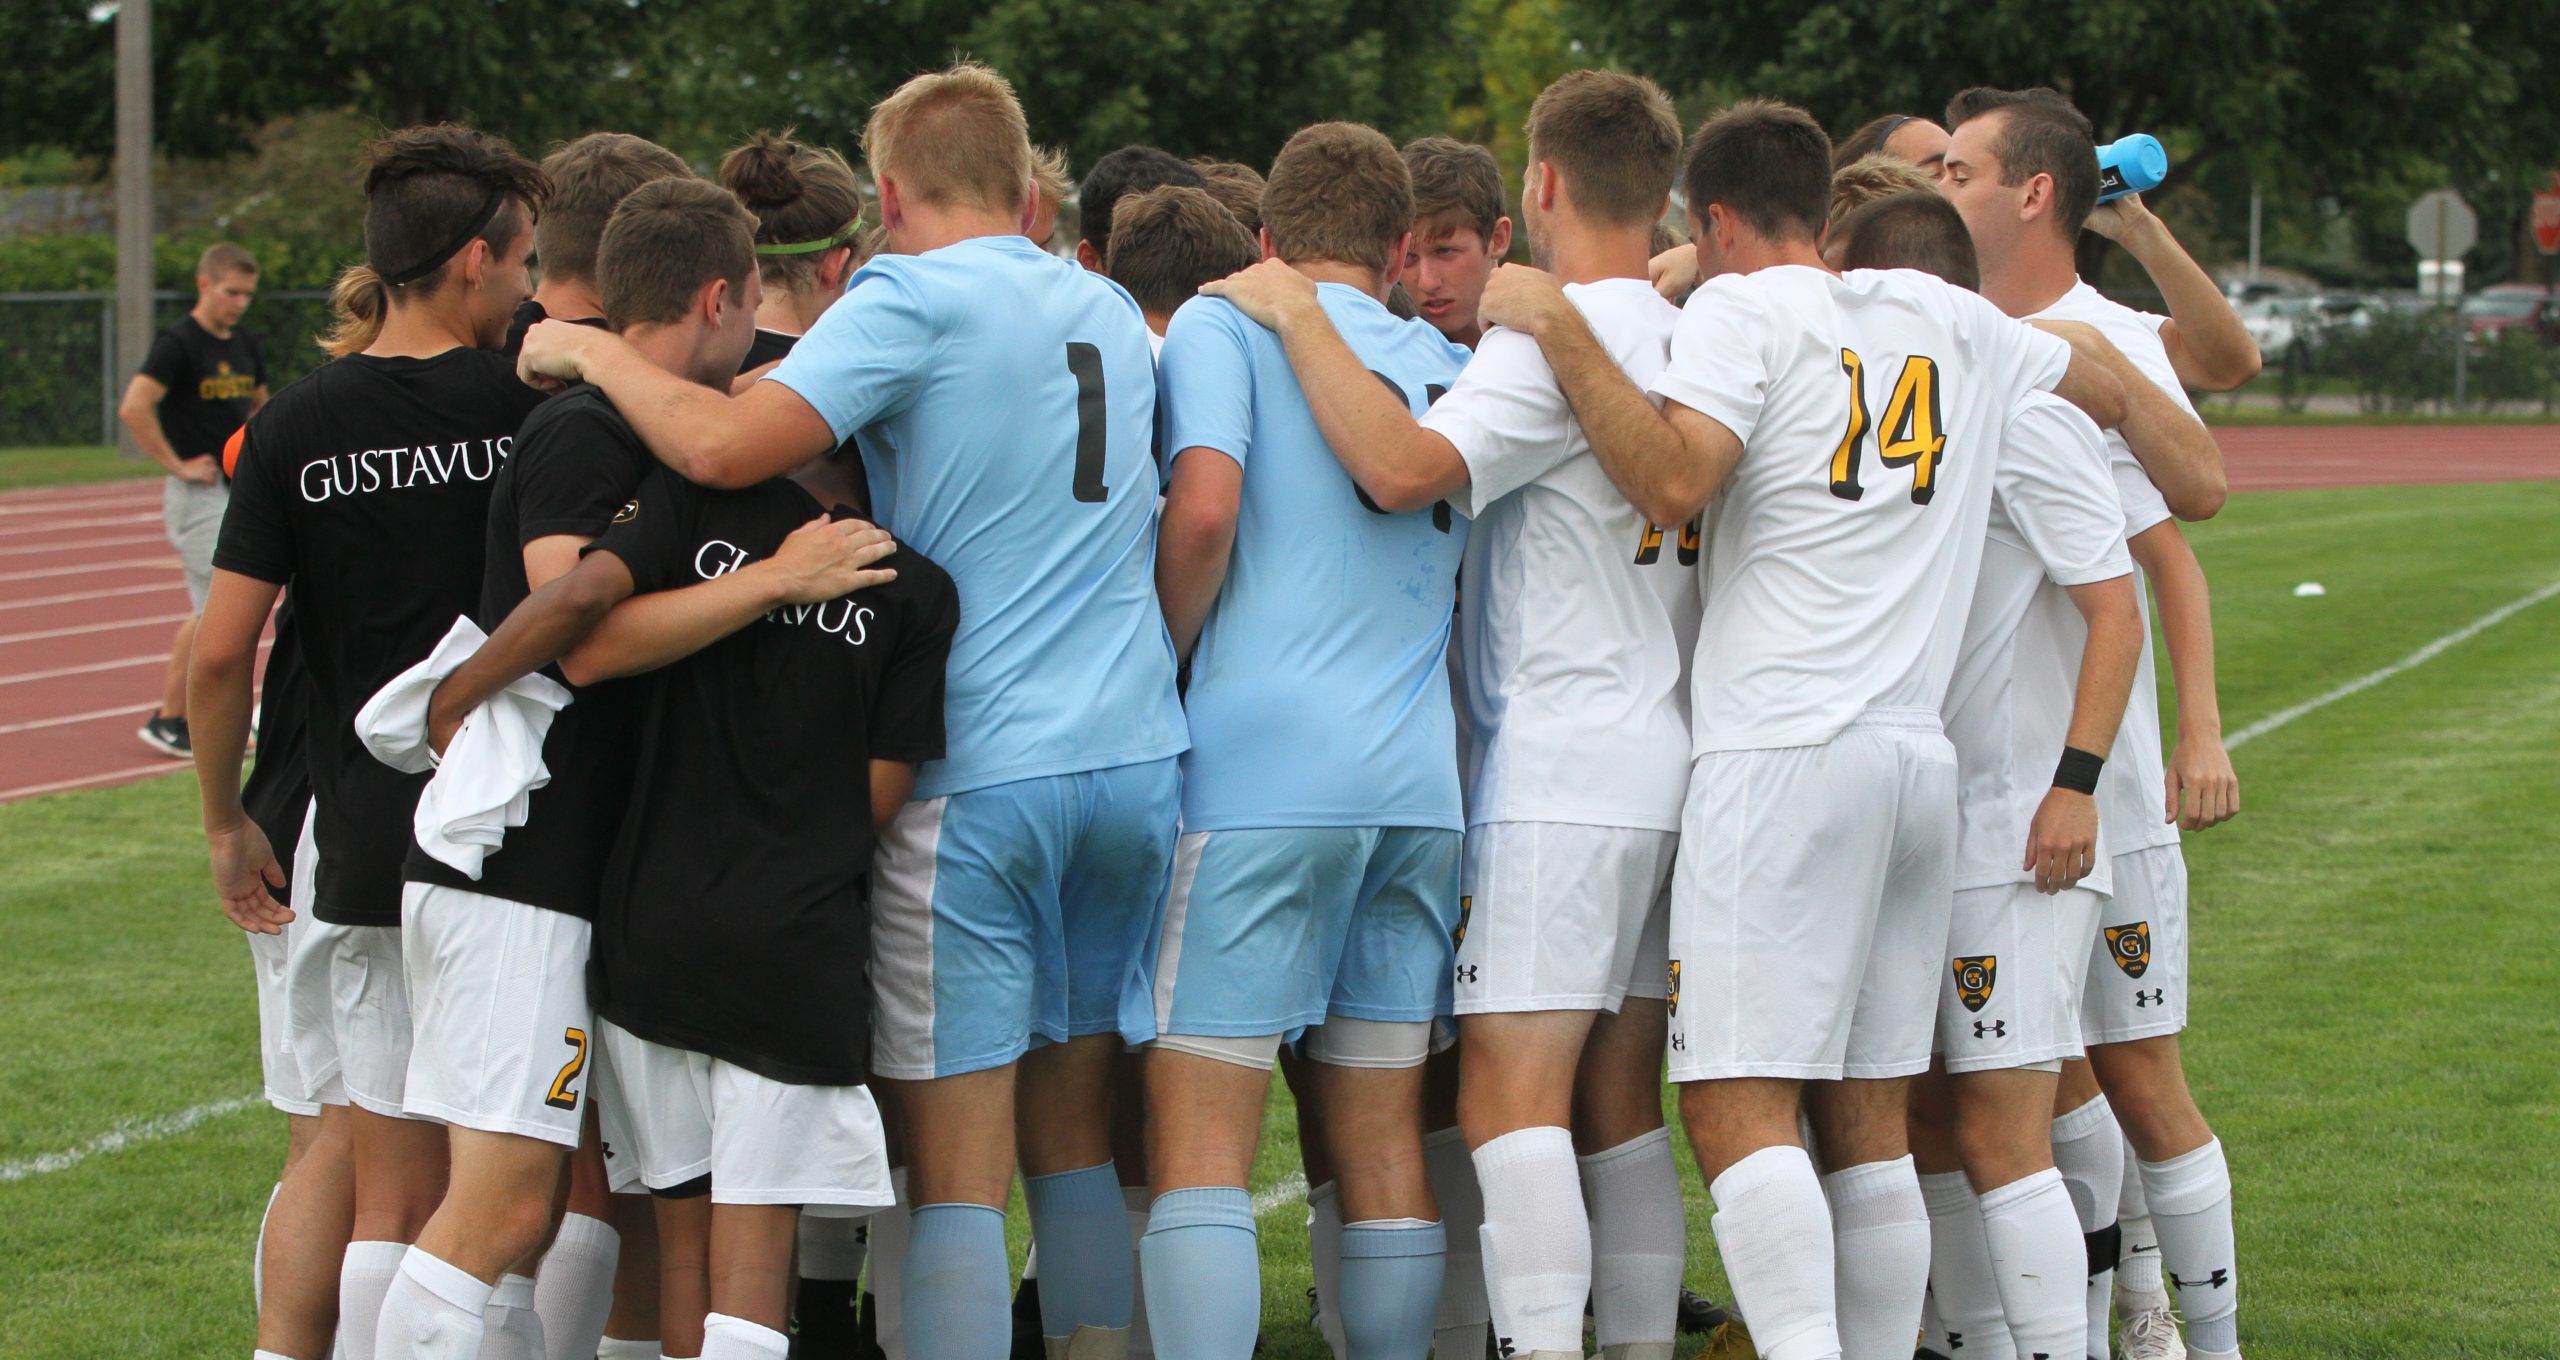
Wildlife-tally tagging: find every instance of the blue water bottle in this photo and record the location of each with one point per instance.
(2131, 165)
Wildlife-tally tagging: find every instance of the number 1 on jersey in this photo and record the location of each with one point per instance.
(1912, 434)
(1093, 420)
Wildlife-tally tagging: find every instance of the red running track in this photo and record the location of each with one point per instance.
(90, 591)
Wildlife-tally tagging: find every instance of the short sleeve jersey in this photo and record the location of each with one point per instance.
(211, 381)
(1578, 613)
(1842, 549)
(2130, 789)
(576, 465)
(1004, 401)
(365, 487)
(2054, 524)
(1320, 686)
(769, 346)
(735, 919)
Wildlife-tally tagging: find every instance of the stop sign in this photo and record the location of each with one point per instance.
(2546, 218)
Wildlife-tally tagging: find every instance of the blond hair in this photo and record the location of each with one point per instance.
(1863, 181)
(955, 136)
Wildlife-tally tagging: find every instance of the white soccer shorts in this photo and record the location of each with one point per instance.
(1809, 909)
(2010, 978)
(2138, 967)
(685, 1115)
(271, 957)
(1559, 917)
(347, 984)
(498, 1001)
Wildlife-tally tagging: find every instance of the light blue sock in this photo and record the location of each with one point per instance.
(1204, 1274)
(1086, 1277)
(1391, 1272)
(957, 1284)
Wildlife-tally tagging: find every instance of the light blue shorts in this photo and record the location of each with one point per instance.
(1012, 914)
(1270, 931)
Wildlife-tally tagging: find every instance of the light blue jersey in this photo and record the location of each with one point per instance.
(1005, 403)
(1320, 688)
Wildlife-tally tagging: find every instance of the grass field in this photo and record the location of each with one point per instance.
(22, 468)
(2376, 966)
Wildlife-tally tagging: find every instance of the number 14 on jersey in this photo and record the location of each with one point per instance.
(1912, 435)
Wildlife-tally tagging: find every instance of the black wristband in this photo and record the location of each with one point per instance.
(2078, 770)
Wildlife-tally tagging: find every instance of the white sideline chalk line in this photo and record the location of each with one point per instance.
(1280, 1194)
(2410, 662)
(127, 1133)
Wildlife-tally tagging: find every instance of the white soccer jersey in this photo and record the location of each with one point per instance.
(1842, 550)
(2132, 792)
(2055, 523)
(1577, 615)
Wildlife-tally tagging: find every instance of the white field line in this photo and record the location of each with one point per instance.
(1280, 1194)
(2410, 662)
(127, 1133)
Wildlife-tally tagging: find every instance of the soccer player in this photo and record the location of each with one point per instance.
(203, 378)
(1859, 183)
(1810, 901)
(1905, 137)
(1459, 232)
(2048, 655)
(1128, 170)
(1012, 897)
(1167, 242)
(1316, 883)
(1574, 635)
(1050, 179)
(587, 177)
(2016, 174)
(1236, 185)
(365, 487)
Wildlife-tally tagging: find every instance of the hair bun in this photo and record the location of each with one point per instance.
(761, 172)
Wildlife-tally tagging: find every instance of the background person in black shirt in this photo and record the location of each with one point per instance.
(364, 487)
(203, 378)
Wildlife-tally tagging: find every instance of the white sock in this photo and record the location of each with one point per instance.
(889, 1229)
(1880, 1255)
(432, 1311)
(364, 1277)
(1031, 1261)
(1960, 1286)
(2088, 1149)
(2190, 1198)
(733, 1338)
(1775, 1234)
(1136, 1199)
(1537, 1240)
(573, 1289)
(2039, 1264)
(1638, 1240)
(621, 1348)
(1324, 1256)
(1465, 1317)
(514, 1328)
(258, 1254)
(1933, 1333)
(2138, 1283)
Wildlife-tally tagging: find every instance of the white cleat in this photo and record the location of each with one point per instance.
(2152, 1334)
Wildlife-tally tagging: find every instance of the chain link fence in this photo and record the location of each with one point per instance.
(59, 383)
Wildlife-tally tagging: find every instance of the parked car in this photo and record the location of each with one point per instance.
(2500, 308)
(2282, 324)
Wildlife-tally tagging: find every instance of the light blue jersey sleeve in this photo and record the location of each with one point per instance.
(863, 359)
(1205, 381)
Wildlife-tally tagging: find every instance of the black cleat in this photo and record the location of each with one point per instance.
(168, 736)
(1027, 1341)
(1700, 1315)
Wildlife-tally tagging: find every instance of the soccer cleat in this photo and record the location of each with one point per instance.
(2152, 1334)
(1700, 1315)
(168, 736)
(1028, 1343)
(1729, 1340)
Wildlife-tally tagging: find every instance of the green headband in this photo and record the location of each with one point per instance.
(851, 230)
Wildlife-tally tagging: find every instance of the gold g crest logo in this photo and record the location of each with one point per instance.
(1974, 978)
(2130, 947)
(630, 511)
(1673, 998)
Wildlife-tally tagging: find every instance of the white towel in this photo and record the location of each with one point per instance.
(485, 783)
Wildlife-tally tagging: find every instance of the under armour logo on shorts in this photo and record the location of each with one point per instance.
(1991, 1029)
(1466, 972)
(2142, 999)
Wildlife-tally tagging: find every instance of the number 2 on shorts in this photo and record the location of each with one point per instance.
(561, 1097)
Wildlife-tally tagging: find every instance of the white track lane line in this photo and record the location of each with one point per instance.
(76, 631)
(130, 564)
(77, 596)
(2410, 662)
(97, 505)
(155, 659)
(126, 521)
(128, 1133)
(33, 549)
(86, 780)
(71, 719)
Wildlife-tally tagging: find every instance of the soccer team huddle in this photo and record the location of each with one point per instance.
(825, 706)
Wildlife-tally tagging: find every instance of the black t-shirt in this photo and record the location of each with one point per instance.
(211, 381)
(576, 465)
(365, 487)
(770, 346)
(735, 918)
(278, 789)
(530, 314)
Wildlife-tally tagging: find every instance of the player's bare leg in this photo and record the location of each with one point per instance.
(1073, 1190)
(573, 1289)
(1464, 1326)
(1516, 1107)
(470, 1271)
(684, 1274)
(2004, 1122)
(1772, 1224)
(1324, 1204)
(1392, 1244)
(1129, 1158)
(400, 1169)
(2088, 1148)
(960, 1133)
(750, 1280)
(1204, 1119)
(1965, 1309)
(173, 685)
(306, 1239)
(1879, 1223)
(2184, 1178)
(631, 1327)
(1630, 1183)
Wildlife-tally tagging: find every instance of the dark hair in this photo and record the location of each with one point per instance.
(1915, 229)
(1237, 186)
(1869, 139)
(425, 188)
(801, 195)
(1455, 184)
(1767, 163)
(1166, 242)
(1338, 191)
(2043, 135)
(1616, 137)
(588, 177)
(1129, 170)
(666, 240)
